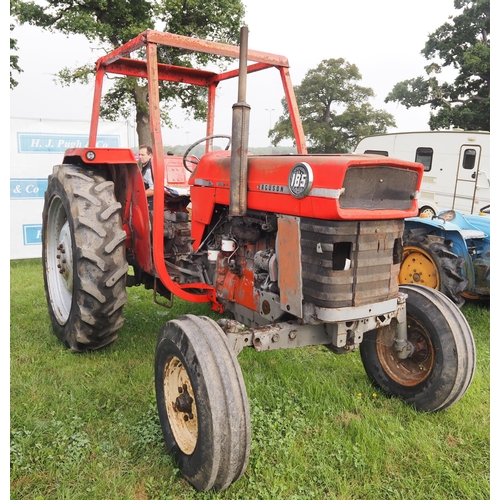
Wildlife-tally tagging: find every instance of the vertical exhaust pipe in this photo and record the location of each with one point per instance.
(240, 133)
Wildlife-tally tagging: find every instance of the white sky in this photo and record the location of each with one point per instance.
(383, 39)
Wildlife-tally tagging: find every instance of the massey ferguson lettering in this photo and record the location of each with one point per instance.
(273, 188)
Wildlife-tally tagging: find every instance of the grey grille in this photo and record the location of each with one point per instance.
(378, 188)
(373, 249)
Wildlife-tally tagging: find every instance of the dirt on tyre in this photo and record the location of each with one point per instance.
(441, 366)
(83, 257)
(429, 260)
(202, 402)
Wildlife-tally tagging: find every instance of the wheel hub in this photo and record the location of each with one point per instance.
(64, 257)
(180, 405)
(59, 261)
(184, 403)
(414, 369)
(418, 267)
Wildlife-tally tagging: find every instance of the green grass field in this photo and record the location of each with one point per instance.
(85, 426)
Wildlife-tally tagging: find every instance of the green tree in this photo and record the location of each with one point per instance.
(14, 58)
(463, 44)
(110, 23)
(334, 109)
(14, 61)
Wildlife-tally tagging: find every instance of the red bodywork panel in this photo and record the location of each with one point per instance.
(176, 176)
(268, 187)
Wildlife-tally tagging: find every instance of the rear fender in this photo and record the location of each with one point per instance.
(122, 168)
(439, 227)
(130, 192)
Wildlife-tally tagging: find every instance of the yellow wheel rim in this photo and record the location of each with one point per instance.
(418, 267)
(180, 405)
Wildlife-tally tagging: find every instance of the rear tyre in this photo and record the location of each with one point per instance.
(202, 402)
(429, 260)
(83, 256)
(441, 368)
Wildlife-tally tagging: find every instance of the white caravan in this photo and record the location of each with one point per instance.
(456, 166)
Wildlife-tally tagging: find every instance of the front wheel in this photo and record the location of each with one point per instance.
(83, 257)
(202, 402)
(442, 364)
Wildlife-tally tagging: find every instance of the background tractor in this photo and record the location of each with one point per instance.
(294, 250)
(449, 252)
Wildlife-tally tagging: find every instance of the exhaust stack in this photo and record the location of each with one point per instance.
(240, 133)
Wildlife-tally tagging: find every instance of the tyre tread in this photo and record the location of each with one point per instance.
(99, 259)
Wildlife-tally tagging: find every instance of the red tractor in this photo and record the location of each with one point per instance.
(295, 250)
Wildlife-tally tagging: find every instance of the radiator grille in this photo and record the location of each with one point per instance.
(350, 263)
(377, 188)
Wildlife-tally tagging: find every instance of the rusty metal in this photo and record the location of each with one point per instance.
(290, 265)
(413, 369)
(240, 131)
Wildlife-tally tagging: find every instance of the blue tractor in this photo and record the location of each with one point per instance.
(449, 252)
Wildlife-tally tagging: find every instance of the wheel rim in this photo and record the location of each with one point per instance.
(427, 213)
(419, 267)
(180, 405)
(59, 261)
(415, 368)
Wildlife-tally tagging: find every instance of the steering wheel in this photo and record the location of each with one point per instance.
(186, 160)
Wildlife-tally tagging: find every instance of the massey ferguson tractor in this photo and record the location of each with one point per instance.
(293, 250)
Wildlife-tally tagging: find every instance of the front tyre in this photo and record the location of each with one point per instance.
(202, 402)
(442, 364)
(83, 257)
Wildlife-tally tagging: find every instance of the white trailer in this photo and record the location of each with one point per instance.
(456, 166)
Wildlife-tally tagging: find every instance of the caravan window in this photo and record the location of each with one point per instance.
(376, 152)
(424, 156)
(469, 159)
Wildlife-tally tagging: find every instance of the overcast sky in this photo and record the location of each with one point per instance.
(383, 39)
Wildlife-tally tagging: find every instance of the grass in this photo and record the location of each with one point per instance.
(85, 426)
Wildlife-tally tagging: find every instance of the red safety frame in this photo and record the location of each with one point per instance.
(119, 62)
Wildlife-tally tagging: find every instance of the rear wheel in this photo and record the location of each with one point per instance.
(442, 364)
(429, 260)
(83, 256)
(202, 402)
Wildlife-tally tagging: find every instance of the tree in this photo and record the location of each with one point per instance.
(334, 109)
(14, 59)
(110, 23)
(463, 44)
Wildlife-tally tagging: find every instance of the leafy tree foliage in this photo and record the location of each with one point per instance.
(334, 110)
(14, 61)
(14, 58)
(110, 23)
(463, 44)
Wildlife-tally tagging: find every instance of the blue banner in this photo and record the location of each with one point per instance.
(59, 143)
(27, 189)
(32, 234)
